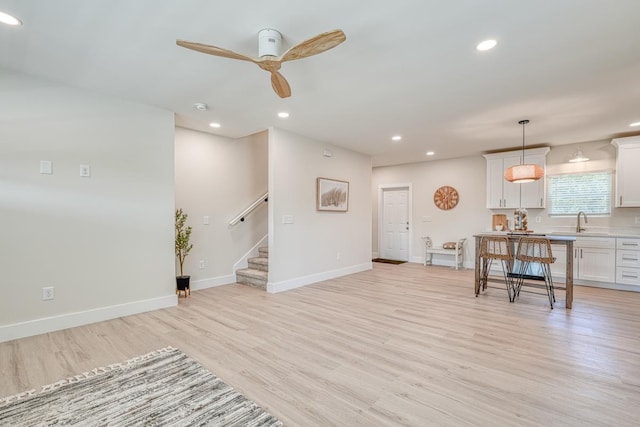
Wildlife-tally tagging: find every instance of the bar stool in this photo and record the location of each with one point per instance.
(496, 248)
(534, 250)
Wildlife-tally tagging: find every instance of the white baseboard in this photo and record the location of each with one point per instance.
(71, 320)
(198, 285)
(287, 285)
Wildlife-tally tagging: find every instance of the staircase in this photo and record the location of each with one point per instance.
(257, 274)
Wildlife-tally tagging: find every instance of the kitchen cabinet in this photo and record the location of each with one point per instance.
(627, 172)
(628, 261)
(502, 194)
(594, 259)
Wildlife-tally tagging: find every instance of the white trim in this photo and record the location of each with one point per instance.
(381, 189)
(314, 278)
(71, 320)
(607, 285)
(198, 285)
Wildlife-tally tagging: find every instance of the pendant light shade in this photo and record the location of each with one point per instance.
(523, 172)
(578, 157)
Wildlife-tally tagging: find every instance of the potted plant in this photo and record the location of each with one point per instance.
(183, 247)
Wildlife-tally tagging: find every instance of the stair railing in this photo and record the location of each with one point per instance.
(240, 217)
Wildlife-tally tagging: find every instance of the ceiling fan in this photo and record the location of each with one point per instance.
(269, 58)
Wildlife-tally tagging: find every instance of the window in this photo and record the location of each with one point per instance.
(589, 192)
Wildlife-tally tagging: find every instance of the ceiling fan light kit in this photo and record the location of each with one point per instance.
(523, 173)
(270, 59)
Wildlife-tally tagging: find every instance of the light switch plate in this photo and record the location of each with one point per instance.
(287, 219)
(46, 167)
(85, 171)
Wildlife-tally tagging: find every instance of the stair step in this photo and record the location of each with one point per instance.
(264, 252)
(252, 277)
(259, 263)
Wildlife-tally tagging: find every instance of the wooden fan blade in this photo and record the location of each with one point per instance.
(315, 45)
(280, 85)
(214, 50)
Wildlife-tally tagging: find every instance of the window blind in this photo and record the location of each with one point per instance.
(589, 192)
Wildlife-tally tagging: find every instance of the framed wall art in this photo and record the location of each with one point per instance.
(332, 195)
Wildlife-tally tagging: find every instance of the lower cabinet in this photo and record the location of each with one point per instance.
(594, 259)
(596, 264)
(628, 261)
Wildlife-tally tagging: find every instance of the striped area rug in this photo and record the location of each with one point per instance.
(162, 388)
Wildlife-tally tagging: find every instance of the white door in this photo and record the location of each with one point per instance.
(395, 231)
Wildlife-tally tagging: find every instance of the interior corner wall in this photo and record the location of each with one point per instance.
(316, 245)
(467, 175)
(471, 215)
(104, 242)
(217, 178)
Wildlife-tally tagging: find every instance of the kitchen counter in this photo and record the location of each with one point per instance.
(607, 258)
(632, 234)
(593, 234)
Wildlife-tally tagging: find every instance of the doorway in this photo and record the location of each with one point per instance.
(394, 222)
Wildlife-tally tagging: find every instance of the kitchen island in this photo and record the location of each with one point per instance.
(566, 241)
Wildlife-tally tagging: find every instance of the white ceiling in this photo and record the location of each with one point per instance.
(408, 67)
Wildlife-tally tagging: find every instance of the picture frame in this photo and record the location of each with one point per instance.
(332, 195)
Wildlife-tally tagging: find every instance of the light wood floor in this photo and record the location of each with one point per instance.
(397, 345)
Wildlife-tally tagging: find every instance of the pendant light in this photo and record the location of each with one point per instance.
(578, 157)
(523, 172)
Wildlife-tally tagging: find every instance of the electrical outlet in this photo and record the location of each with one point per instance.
(538, 218)
(201, 263)
(47, 293)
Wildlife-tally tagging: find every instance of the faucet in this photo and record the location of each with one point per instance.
(578, 228)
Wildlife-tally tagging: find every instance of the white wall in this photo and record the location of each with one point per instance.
(219, 177)
(468, 176)
(105, 243)
(307, 250)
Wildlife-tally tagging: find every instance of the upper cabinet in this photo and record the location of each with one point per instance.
(627, 172)
(502, 194)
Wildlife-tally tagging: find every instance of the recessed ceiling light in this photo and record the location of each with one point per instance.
(396, 138)
(283, 114)
(214, 125)
(430, 153)
(200, 106)
(5, 18)
(486, 45)
(634, 124)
